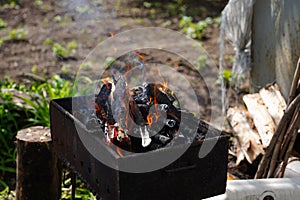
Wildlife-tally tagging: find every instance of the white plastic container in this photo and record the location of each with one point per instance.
(261, 189)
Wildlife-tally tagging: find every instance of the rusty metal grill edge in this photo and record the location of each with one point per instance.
(189, 177)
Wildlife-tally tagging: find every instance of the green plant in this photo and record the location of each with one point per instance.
(201, 61)
(32, 109)
(1, 41)
(40, 96)
(61, 51)
(38, 2)
(57, 18)
(226, 75)
(10, 2)
(3, 24)
(17, 34)
(48, 41)
(194, 30)
(82, 9)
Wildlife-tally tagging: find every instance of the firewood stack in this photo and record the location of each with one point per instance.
(267, 126)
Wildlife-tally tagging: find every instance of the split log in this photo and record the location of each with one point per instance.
(274, 102)
(248, 141)
(261, 117)
(38, 170)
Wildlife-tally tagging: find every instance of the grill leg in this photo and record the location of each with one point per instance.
(73, 182)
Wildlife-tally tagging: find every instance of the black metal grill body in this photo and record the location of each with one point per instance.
(189, 177)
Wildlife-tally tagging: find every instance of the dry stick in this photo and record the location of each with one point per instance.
(281, 126)
(287, 140)
(274, 160)
(290, 133)
(294, 136)
(295, 83)
(276, 157)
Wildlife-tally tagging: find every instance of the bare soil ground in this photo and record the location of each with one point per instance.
(87, 23)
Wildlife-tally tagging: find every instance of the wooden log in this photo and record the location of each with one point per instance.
(38, 169)
(248, 141)
(261, 117)
(274, 102)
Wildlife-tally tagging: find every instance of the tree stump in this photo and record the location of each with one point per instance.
(38, 170)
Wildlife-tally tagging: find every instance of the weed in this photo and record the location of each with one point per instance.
(38, 2)
(82, 9)
(48, 41)
(72, 45)
(61, 51)
(12, 3)
(66, 68)
(1, 42)
(3, 24)
(194, 30)
(226, 75)
(147, 4)
(57, 19)
(15, 116)
(17, 34)
(201, 62)
(34, 69)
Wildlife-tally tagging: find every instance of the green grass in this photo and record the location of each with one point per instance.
(32, 109)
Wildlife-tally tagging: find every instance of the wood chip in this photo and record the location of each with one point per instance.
(248, 141)
(274, 102)
(261, 117)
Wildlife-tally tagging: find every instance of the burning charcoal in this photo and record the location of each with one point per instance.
(138, 113)
(161, 98)
(171, 97)
(161, 139)
(141, 96)
(170, 123)
(103, 111)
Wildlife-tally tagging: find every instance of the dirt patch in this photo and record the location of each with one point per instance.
(86, 24)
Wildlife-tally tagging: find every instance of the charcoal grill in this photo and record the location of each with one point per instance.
(188, 177)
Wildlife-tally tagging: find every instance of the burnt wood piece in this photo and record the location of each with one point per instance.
(103, 108)
(38, 169)
(140, 101)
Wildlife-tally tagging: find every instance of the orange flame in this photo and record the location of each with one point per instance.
(164, 86)
(149, 120)
(107, 80)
